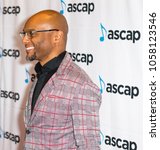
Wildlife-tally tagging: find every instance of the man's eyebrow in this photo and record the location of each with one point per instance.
(28, 29)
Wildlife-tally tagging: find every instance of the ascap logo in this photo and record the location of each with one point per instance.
(10, 94)
(15, 53)
(127, 90)
(10, 136)
(11, 10)
(81, 57)
(129, 35)
(77, 7)
(120, 143)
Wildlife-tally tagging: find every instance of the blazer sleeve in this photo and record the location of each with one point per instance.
(85, 116)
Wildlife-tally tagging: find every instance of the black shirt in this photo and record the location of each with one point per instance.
(43, 75)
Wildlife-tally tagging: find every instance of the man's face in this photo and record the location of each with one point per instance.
(38, 44)
(29, 45)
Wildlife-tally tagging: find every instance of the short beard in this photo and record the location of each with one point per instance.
(31, 58)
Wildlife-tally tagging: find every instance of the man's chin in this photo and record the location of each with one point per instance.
(31, 58)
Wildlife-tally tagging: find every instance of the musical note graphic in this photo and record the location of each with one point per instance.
(63, 6)
(102, 84)
(27, 76)
(102, 137)
(1, 133)
(1, 52)
(104, 33)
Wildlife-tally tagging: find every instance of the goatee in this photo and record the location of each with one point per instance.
(31, 58)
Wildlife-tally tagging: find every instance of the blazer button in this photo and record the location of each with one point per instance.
(28, 131)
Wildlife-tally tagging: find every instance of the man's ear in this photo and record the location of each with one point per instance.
(57, 36)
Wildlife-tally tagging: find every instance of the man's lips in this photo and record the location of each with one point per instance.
(29, 48)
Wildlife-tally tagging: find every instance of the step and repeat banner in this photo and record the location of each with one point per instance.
(105, 39)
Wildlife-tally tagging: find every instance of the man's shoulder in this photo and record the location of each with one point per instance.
(73, 71)
(75, 76)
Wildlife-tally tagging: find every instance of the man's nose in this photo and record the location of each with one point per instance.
(25, 39)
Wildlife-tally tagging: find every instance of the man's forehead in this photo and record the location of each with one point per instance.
(36, 24)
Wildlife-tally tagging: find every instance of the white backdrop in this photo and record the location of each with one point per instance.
(105, 39)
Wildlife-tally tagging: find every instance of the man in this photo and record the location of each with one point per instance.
(63, 107)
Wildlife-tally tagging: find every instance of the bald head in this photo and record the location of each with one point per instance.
(50, 19)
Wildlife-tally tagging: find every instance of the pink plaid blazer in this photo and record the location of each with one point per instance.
(66, 115)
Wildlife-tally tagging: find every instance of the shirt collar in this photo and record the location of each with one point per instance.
(50, 65)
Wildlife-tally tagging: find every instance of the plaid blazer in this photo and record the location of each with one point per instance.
(66, 114)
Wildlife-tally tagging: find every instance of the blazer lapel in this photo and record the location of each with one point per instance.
(28, 106)
(51, 85)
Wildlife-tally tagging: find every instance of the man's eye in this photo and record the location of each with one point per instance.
(23, 32)
(32, 33)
